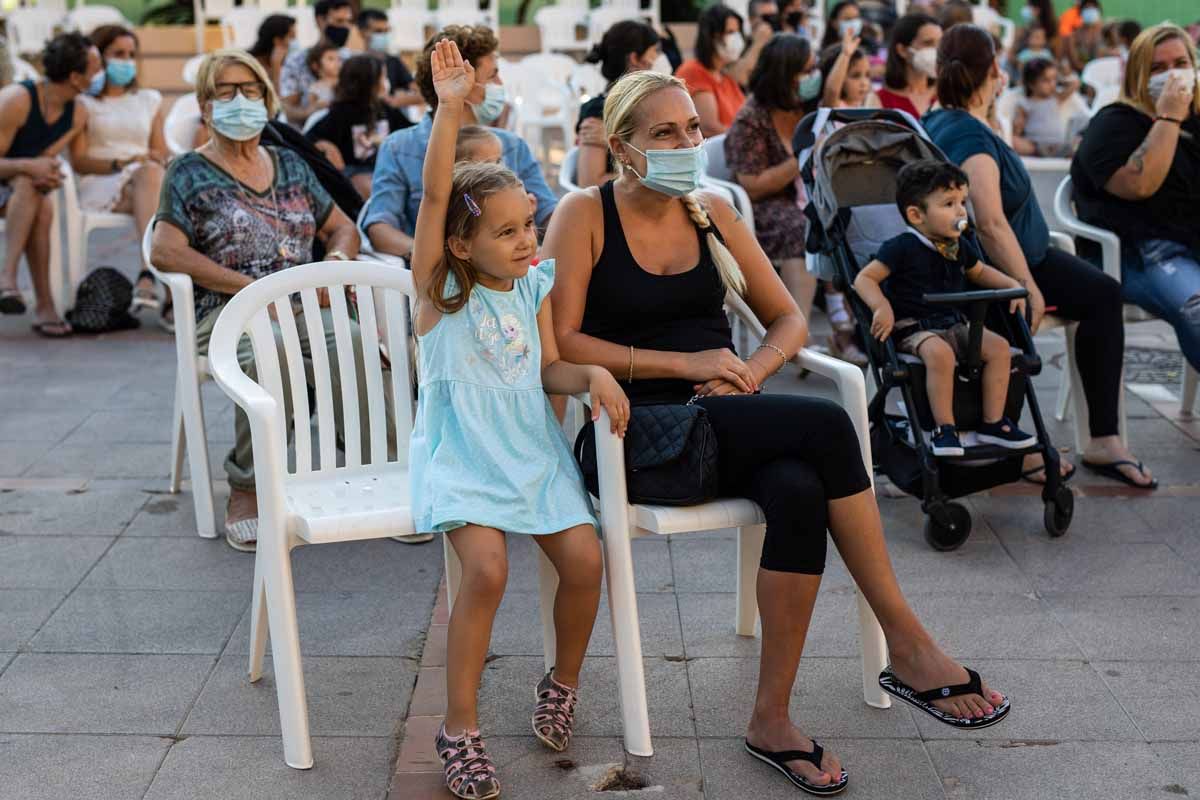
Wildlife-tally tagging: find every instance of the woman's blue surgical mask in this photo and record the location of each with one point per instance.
(380, 41)
(1027, 14)
(675, 171)
(1027, 55)
(851, 26)
(494, 98)
(96, 85)
(238, 118)
(294, 46)
(1090, 15)
(809, 87)
(120, 71)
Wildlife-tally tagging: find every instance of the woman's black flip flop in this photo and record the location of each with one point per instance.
(1111, 470)
(779, 760)
(1027, 475)
(924, 700)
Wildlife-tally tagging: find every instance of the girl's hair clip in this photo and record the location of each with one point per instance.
(472, 206)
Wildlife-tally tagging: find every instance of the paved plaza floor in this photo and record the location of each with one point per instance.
(123, 636)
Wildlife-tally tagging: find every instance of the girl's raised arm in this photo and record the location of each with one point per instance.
(453, 79)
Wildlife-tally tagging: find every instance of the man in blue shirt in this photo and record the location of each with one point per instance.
(391, 212)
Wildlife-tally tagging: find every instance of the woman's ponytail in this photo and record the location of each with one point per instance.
(965, 57)
(727, 265)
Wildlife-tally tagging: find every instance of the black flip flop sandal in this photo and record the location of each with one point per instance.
(52, 330)
(924, 700)
(1110, 470)
(1027, 475)
(11, 302)
(779, 760)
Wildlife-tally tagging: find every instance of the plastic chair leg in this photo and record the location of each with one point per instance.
(547, 589)
(1083, 435)
(453, 573)
(1188, 392)
(178, 442)
(285, 644)
(197, 451)
(1064, 396)
(874, 654)
(627, 638)
(749, 553)
(258, 623)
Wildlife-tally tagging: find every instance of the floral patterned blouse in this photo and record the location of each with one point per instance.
(752, 146)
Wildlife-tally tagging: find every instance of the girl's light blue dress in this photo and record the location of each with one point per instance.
(486, 447)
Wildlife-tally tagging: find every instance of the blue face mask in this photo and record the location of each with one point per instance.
(1090, 15)
(1028, 55)
(239, 119)
(674, 172)
(120, 71)
(810, 86)
(853, 26)
(492, 106)
(380, 42)
(294, 46)
(97, 84)
(1026, 14)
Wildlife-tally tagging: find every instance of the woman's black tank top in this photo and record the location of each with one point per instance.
(629, 306)
(35, 135)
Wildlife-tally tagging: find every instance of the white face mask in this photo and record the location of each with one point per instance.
(732, 46)
(1159, 82)
(924, 61)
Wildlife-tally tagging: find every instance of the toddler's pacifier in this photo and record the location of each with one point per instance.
(961, 224)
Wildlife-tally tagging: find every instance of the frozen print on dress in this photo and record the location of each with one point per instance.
(502, 342)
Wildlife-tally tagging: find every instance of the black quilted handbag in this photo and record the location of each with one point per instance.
(670, 455)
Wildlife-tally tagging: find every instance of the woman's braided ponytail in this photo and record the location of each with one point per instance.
(727, 266)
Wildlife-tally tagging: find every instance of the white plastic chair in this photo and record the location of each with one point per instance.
(1110, 248)
(30, 28)
(604, 17)
(23, 70)
(622, 522)
(187, 418)
(408, 28)
(307, 32)
(205, 11)
(1105, 96)
(79, 224)
(239, 26)
(181, 124)
(556, 29)
(191, 68)
(1101, 72)
(86, 19)
(544, 99)
(568, 171)
(314, 118)
(586, 81)
(468, 12)
(1046, 174)
(987, 18)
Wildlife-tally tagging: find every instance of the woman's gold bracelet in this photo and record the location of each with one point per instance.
(631, 363)
(782, 355)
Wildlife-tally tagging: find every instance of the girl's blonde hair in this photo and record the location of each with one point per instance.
(621, 121)
(473, 183)
(211, 66)
(468, 137)
(1135, 89)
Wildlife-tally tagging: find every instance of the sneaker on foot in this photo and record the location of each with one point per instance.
(945, 441)
(1005, 434)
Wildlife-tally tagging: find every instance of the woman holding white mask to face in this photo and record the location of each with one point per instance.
(1137, 173)
(910, 79)
(121, 153)
(719, 43)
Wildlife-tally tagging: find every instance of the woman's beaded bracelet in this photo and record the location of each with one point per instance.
(782, 355)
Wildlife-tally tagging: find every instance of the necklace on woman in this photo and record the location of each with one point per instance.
(280, 248)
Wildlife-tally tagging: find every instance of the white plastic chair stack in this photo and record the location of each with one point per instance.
(239, 26)
(408, 28)
(544, 99)
(79, 224)
(1110, 248)
(187, 418)
(556, 29)
(30, 28)
(204, 11)
(623, 522)
(86, 19)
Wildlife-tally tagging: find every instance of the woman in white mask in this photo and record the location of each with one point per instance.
(643, 267)
(1137, 173)
(910, 77)
(719, 44)
(233, 211)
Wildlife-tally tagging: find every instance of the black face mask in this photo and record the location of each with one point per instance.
(795, 19)
(774, 21)
(337, 35)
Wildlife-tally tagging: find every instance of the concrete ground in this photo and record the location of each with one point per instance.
(123, 636)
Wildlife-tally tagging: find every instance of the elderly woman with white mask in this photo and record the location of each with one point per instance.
(234, 211)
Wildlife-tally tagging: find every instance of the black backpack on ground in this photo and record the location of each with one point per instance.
(102, 303)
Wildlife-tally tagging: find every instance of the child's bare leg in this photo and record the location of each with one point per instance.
(484, 574)
(939, 378)
(575, 554)
(997, 362)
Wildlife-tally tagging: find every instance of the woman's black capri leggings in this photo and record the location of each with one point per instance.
(791, 455)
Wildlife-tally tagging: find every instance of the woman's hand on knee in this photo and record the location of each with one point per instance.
(719, 365)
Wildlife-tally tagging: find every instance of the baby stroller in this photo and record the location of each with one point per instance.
(851, 182)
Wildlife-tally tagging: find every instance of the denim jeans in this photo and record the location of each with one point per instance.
(1163, 277)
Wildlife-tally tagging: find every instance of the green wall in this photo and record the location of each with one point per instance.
(1147, 12)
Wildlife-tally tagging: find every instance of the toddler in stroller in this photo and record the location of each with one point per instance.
(930, 257)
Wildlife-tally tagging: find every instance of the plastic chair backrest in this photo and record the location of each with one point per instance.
(410, 5)
(86, 19)
(568, 171)
(30, 28)
(1105, 96)
(247, 312)
(715, 149)
(314, 118)
(239, 27)
(602, 18)
(1101, 72)
(307, 32)
(556, 28)
(586, 81)
(181, 124)
(408, 28)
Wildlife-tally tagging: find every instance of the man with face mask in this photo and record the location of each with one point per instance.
(396, 186)
(38, 119)
(334, 18)
(376, 33)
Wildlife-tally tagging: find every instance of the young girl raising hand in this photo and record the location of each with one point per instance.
(487, 454)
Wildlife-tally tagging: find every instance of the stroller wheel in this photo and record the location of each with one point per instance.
(947, 527)
(1059, 512)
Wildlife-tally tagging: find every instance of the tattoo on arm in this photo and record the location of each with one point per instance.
(1137, 160)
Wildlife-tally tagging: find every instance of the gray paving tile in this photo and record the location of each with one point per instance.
(373, 566)
(883, 769)
(827, 699)
(137, 621)
(506, 697)
(139, 425)
(530, 771)
(173, 564)
(346, 697)
(1174, 518)
(354, 624)
(1102, 569)
(1136, 628)
(25, 424)
(78, 513)
(985, 567)
(16, 457)
(61, 693)
(1105, 520)
(175, 514)
(53, 767)
(22, 611)
(517, 629)
(47, 562)
(116, 460)
(1159, 695)
(651, 565)
(974, 626)
(1057, 700)
(1000, 770)
(1182, 762)
(252, 768)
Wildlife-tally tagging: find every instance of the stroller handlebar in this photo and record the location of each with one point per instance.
(974, 296)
